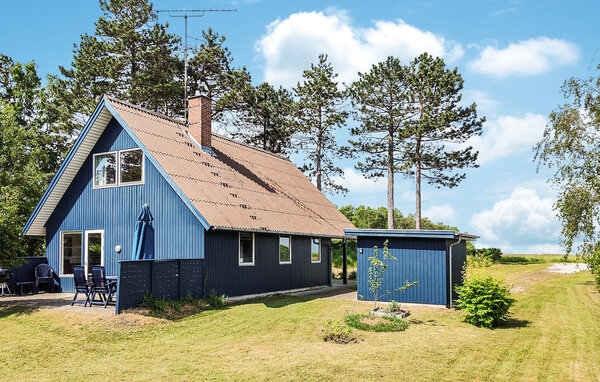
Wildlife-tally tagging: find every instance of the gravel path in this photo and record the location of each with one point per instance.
(567, 268)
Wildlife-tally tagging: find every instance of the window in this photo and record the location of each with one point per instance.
(131, 166)
(70, 252)
(105, 169)
(246, 248)
(315, 250)
(285, 250)
(128, 164)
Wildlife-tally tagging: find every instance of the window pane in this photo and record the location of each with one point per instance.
(285, 255)
(105, 166)
(131, 166)
(315, 249)
(71, 251)
(246, 248)
(94, 250)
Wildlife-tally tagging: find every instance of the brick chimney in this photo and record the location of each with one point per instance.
(199, 119)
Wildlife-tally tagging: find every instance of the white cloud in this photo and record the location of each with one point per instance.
(523, 222)
(441, 213)
(355, 182)
(529, 57)
(508, 135)
(485, 104)
(292, 44)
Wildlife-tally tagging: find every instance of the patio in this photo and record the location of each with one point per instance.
(54, 301)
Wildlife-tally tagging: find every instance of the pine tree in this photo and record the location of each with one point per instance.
(379, 100)
(130, 56)
(320, 112)
(266, 119)
(211, 73)
(434, 93)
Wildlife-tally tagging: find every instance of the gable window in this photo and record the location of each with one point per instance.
(70, 252)
(105, 169)
(246, 248)
(131, 166)
(285, 250)
(315, 250)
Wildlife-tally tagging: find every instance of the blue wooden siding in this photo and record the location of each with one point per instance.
(422, 260)
(225, 275)
(178, 233)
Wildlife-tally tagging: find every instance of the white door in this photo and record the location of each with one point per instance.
(94, 249)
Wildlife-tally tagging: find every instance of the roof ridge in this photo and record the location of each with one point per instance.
(184, 125)
(250, 146)
(143, 109)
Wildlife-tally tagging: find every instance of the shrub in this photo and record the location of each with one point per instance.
(215, 300)
(379, 324)
(593, 261)
(159, 306)
(335, 331)
(476, 261)
(483, 257)
(352, 275)
(485, 300)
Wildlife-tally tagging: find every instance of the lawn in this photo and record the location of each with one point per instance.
(554, 335)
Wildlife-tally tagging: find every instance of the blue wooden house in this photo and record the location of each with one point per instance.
(256, 222)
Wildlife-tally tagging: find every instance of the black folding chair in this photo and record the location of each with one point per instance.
(81, 285)
(44, 274)
(100, 287)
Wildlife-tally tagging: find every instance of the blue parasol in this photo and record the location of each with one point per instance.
(143, 239)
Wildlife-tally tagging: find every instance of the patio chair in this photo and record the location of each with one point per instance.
(81, 285)
(100, 287)
(44, 274)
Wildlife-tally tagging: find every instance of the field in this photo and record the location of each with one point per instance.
(554, 334)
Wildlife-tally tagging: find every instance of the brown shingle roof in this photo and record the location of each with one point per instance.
(240, 187)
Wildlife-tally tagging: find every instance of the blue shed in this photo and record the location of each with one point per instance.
(435, 258)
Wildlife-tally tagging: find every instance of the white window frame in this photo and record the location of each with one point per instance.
(119, 168)
(311, 243)
(94, 186)
(61, 256)
(85, 251)
(279, 247)
(240, 262)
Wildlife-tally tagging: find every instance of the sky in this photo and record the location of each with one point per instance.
(513, 56)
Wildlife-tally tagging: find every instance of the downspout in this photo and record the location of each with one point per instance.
(450, 265)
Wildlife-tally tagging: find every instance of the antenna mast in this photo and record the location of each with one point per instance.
(185, 13)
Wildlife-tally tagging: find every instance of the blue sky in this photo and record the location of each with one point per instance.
(513, 56)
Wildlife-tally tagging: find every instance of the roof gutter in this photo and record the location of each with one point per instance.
(236, 229)
(450, 268)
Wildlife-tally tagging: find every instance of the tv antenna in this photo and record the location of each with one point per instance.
(185, 13)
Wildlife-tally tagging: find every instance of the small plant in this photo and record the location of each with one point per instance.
(380, 324)
(377, 268)
(352, 275)
(335, 331)
(485, 300)
(215, 300)
(392, 307)
(159, 306)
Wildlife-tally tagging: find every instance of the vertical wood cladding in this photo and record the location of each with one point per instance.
(226, 275)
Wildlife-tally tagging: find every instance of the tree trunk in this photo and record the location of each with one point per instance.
(418, 184)
(319, 144)
(390, 207)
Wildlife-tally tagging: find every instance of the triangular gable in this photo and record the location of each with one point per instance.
(81, 149)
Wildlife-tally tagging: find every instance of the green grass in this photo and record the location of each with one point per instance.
(554, 334)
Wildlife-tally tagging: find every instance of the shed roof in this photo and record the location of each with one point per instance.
(410, 233)
(236, 187)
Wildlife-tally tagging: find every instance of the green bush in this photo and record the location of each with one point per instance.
(476, 261)
(360, 321)
(483, 257)
(335, 331)
(485, 300)
(215, 300)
